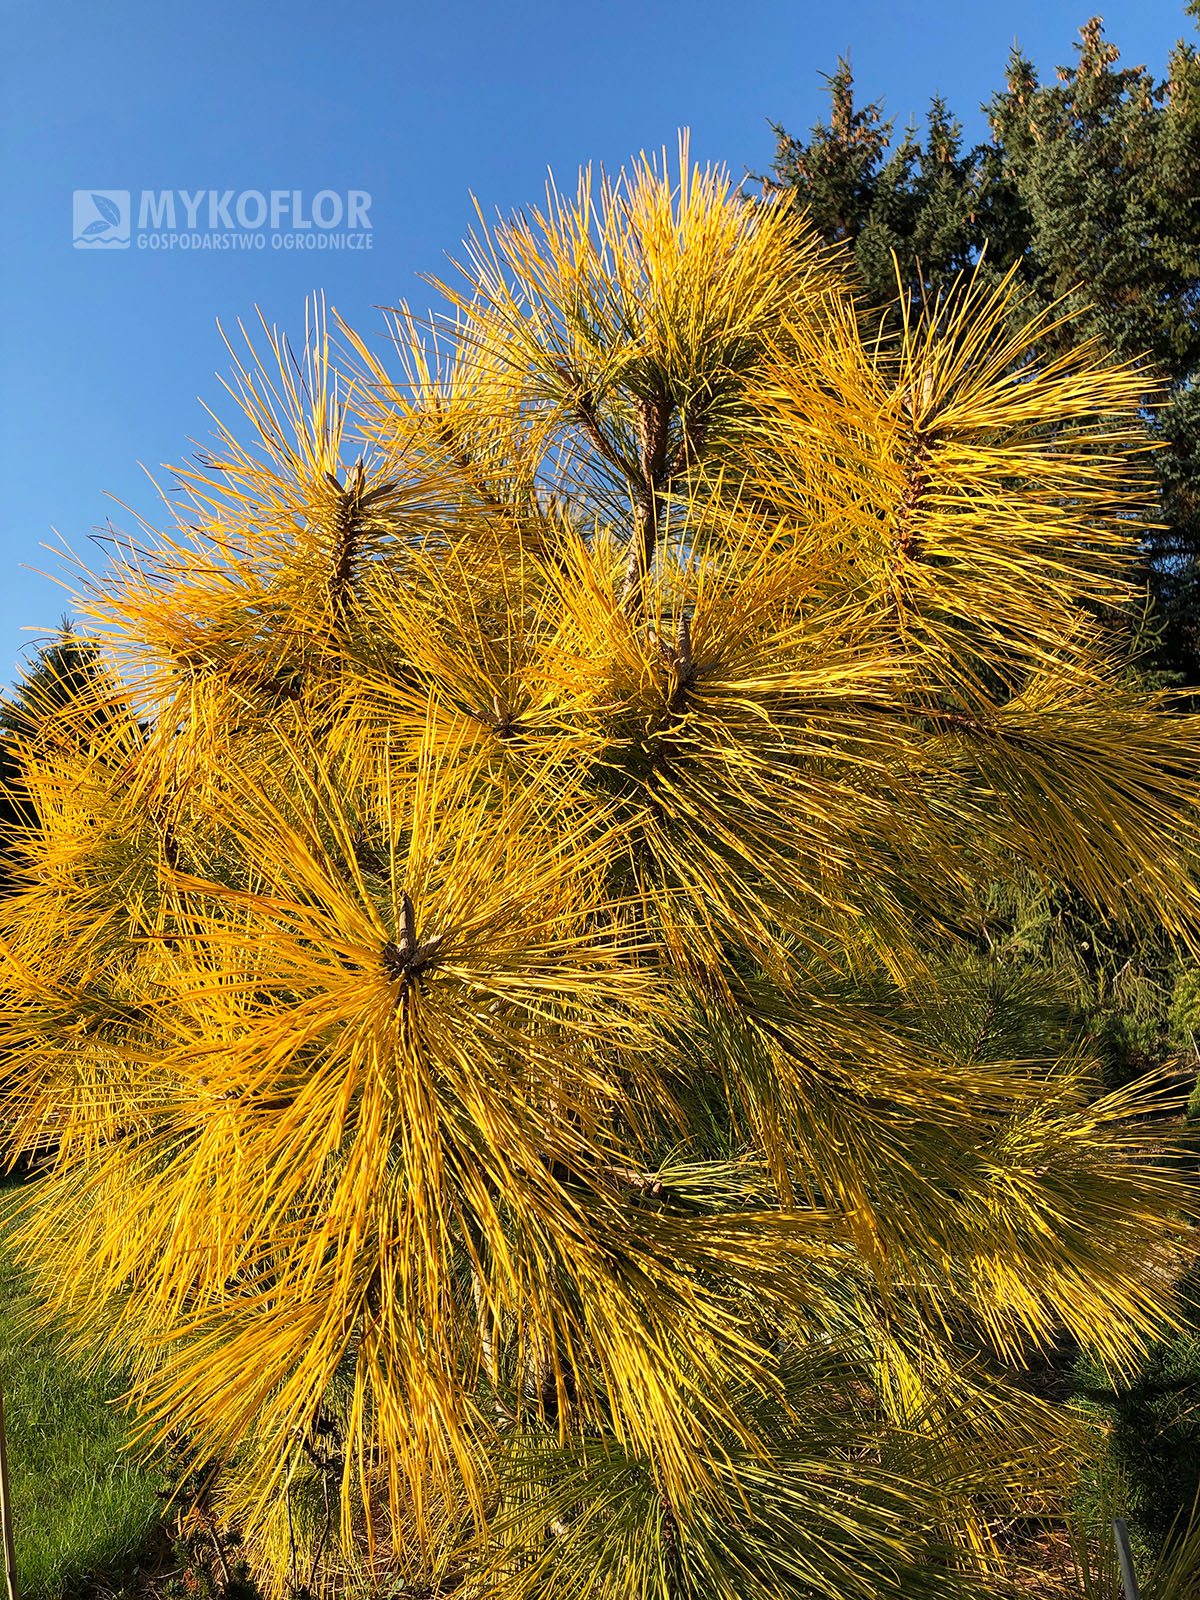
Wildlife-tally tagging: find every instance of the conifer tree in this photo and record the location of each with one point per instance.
(493, 987)
(64, 672)
(1086, 190)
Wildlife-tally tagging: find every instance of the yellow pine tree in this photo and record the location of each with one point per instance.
(492, 995)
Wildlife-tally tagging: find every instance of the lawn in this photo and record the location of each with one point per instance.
(82, 1506)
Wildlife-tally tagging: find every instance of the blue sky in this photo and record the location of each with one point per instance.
(106, 353)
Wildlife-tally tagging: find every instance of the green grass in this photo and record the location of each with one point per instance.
(82, 1505)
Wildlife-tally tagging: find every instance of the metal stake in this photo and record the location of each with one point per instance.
(1125, 1557)
(6, 1524)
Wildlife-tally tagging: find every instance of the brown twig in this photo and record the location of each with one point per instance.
(405, 959)
(653, 426)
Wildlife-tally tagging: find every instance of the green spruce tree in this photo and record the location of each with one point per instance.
(64, 675)
(1086, 191)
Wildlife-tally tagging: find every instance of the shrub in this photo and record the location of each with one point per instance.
(497, 992)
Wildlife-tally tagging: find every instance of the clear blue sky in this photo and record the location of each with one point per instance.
(105, 353)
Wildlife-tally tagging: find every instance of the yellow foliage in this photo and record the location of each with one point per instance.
(440, 979)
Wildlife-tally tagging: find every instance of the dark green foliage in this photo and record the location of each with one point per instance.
(1087, 187)
(1100, 168)
(1087, 191)
(914, 212)
(207, 1566)
(1175, 546)
(1153, 1428)
(1119, 985)
(64, 672)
